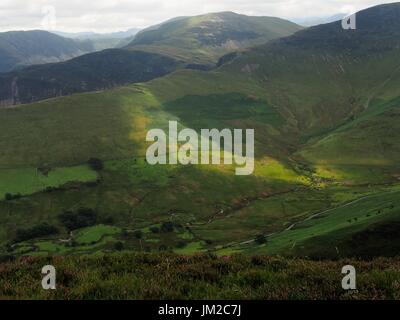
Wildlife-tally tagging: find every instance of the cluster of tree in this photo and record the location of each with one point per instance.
(10, 196)
(37, 231)
(167, 227)
(82, 218)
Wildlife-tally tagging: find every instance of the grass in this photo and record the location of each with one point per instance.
(335, 224)
(94, 234)
(29, 181)
(131, 276)
(191, 248)
(90, 240)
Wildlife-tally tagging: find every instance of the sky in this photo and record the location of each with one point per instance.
(119, 15)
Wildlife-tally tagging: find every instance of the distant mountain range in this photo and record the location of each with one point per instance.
(23, 48)
(190, 42)
(19, 49)
(93, 35)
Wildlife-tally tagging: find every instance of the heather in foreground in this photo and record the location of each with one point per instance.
(169, 276)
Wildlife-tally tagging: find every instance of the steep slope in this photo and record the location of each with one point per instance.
(203, 39)
(22, 48)
(325, 75)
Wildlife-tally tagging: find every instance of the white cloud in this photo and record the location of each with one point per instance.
(115, 15)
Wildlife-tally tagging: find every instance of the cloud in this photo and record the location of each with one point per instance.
(115, 15)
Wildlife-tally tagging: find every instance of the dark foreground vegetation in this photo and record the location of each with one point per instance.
(168, 276)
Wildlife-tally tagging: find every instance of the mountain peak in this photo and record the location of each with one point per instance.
(204, 39)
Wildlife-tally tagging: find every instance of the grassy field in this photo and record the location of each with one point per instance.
(29, 181)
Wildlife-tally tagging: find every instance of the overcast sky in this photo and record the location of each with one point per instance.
(116, 15)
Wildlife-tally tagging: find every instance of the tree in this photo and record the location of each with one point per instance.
(181, 244)
(119, 246)
(155, 230)
(138, 234)
(261, 239)
(167, 227)
(96, 164)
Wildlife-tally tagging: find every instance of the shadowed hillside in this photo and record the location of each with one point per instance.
(92, 72)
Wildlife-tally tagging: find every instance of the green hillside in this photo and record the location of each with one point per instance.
(326, 177)
(204, 39)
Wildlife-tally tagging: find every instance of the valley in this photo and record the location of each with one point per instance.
(74, 179)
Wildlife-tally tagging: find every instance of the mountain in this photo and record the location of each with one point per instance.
(203, 39)
(23, 48)
(90, 72)
(190, 35)
(324, 104)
